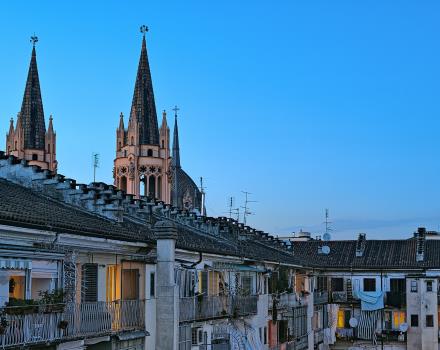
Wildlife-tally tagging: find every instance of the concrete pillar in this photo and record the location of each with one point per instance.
(167, 302)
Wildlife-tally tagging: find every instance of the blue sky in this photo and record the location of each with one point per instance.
(308, 105)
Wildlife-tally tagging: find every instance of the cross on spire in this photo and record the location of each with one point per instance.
(144, 29)
(176, 109)
(34, 40)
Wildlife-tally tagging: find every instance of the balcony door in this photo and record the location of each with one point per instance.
(130, 284)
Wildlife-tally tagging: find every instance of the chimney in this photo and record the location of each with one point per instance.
(360, 244)
(420, 245)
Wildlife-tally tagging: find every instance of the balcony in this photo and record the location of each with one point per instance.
(20, 326)
(211, 307)
(396, 299)
(320, 298)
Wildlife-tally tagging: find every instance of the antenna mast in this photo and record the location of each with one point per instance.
(202, 191)
(95, 157)
(246, 210)
(328, 228)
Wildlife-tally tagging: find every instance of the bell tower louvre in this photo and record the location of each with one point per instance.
(29, 139)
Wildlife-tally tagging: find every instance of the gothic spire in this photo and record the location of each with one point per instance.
(176, 148)
(143, 107)
(32, 113)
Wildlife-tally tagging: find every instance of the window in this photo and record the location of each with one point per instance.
(34, 156)
(429, 286)
(113, 283)
(130, 284)
(203, 282)
(152, 285)
(337, 284)
(387, 320)
(132, 141)
(413, 286)
(429, 321)
(246, 285)
(48, 148)
(321, 284)
(197, 336)
(150, 153)
(414, 320)
(89, 283)
(282, 331)
(369, 284)
(398, 318)
(123, 183)
(265, 335)
(397, 285)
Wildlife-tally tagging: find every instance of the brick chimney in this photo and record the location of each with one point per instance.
(420, 246)
(360, 244)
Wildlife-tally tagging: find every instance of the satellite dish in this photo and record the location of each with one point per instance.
(326, 236)
(353, 322)
(403, 327)
(325, 249)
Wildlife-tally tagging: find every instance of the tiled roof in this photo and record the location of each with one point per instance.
(20, 206)
(378, 254)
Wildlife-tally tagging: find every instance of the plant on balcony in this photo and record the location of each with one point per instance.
(21, 306)
(12, 284)
(53, 301)
(4, 323)
(63, 324)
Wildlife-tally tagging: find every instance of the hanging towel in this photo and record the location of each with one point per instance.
(370, 301)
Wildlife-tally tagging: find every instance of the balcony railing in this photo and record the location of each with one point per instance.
(320, 298)
(339, 297)
(22, 326)
(210, 307)
(318, 336)
(396, 299)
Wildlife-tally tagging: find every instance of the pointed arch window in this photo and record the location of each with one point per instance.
(152, 186)
(159, 187)
(150, 153)
(132, 141)
(123, 183)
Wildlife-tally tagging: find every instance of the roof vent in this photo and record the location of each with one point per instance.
(360, 244)
(420, 246)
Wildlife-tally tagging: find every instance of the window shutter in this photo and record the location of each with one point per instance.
(89, 285)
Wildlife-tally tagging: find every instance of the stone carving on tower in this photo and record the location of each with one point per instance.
(143, 165)
(29, 139)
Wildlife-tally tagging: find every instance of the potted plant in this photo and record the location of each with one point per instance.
(53, 301)
(21, 306)
(4, 323)
(12, 285)
(63, 324)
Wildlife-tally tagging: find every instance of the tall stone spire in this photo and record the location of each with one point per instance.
(32, 113)
(143, 108)
(176, 149)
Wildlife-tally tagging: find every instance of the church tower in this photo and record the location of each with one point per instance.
(144, 165)
(142, 159)
(29, 139)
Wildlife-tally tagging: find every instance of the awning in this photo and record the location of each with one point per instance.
(15, 264)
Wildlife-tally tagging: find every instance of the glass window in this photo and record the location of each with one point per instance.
(265, 335)
(341, 319)
(337, 284)
(429, 286)
(398, 318)
(414, 320)
(414, 286)
(369, 284)
(429, 321)
(152, 285)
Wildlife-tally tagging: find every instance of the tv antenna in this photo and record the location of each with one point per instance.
(95, 157)
(246, 209)
(327, 236)
(202, 191)
(231, 204)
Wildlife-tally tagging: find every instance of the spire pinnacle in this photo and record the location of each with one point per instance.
(176, 148)
(143, 107)
(32, 113)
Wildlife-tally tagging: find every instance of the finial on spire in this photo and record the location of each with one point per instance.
(34, 40)
(144, 29)
(176, 109)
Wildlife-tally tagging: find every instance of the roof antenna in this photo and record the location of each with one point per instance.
(202, 191)
(95, 157)
(327, 236)
(246, 209)
(231, 204)
(143, 29)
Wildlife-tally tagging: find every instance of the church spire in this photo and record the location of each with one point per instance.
(32, 113)
(143, 108)
(176, 148)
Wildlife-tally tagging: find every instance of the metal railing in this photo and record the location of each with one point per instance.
(46, 323)
(209, 307)
(318, 336)
(339, 297)
(320, 297)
